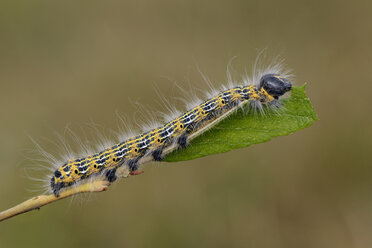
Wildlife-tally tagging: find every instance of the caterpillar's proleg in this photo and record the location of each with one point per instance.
(182, 141)
(157, 154)
(111, 175)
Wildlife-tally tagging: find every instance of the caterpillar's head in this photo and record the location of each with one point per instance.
(275, 85)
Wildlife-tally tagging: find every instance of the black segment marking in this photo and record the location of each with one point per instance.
(57, 173)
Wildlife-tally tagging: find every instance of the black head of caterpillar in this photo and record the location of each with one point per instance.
(275, 85)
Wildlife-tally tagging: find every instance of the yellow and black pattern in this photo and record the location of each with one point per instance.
(152, 143)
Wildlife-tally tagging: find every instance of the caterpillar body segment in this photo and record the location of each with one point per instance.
(154, 144)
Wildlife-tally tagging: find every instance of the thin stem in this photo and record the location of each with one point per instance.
(42, 200)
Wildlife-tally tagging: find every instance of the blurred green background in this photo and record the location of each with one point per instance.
(70, 62)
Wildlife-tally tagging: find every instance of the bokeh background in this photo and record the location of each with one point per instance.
(72, 62)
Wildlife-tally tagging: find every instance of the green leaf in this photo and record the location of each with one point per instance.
(245, 129)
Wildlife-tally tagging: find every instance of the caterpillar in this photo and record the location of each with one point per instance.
(175, 134)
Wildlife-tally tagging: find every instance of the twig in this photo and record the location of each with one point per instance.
(42, 200)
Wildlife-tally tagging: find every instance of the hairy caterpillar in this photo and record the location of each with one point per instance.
(175, 134)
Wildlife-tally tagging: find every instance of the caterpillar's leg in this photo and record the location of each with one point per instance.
(133, 167)
(182, 141)
(157, 154)
(57, 187)
(111, 175)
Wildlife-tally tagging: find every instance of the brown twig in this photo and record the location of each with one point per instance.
(42, 200)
